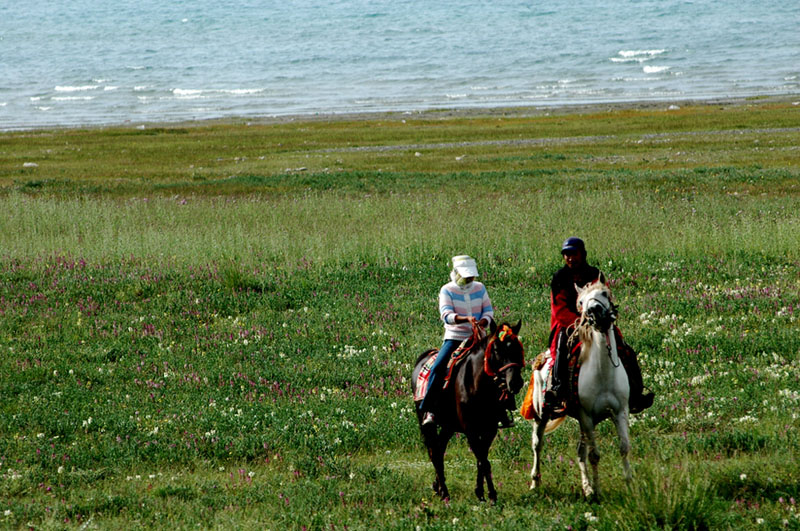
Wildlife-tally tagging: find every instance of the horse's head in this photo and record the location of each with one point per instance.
(505, 356)
(595, 306)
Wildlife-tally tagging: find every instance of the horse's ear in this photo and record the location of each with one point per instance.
(516, 327)
(601, 278)
(492, 327)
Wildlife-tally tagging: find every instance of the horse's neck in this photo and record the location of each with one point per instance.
(476, 372)
(602, 356)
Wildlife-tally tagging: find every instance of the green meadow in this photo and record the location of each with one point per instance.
(213, 324)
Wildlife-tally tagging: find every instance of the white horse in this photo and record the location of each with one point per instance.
(603, 388)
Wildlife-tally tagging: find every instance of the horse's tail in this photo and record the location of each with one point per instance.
(553, 424)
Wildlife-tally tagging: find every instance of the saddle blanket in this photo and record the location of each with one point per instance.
(546, 361)
(423, 379)
(424, 376)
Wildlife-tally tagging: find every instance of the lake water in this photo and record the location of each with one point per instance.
(88, 62)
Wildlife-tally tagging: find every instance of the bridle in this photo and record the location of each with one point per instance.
(605, 302)
(611, 309)
(504, 333)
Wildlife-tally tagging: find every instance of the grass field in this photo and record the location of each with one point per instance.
(213, 325)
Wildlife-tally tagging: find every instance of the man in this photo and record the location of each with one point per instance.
(463, 304)
(563, 317)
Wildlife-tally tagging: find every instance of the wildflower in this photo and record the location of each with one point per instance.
(590, 517)
(743, 476)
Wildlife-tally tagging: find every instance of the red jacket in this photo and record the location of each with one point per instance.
(564, 298)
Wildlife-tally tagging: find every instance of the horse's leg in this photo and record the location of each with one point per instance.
(479, 444)
(436, 453)
(537, 442)
(621, 421)
(594, 459)
(587, 448)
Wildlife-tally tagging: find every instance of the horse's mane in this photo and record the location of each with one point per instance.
(583, 330)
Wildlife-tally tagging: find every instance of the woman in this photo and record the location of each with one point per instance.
(463, 304)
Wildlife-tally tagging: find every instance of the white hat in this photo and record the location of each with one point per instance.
(465, 266)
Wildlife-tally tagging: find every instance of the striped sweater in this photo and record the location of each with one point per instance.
(454, 300)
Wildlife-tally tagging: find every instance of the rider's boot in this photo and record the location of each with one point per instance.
(556, 396)
(639, 399)
(429, 403)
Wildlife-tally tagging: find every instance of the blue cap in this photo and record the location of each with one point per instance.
(573, 244)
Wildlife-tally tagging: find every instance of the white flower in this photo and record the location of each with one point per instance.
(7, 512)
(743, 476)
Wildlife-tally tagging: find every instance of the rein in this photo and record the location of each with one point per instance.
(611, 354)
(502, 334)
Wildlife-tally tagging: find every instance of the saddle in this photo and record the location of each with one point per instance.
(425, 372)
(546, 360)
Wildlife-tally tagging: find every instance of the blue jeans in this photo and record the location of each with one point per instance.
(438, 372)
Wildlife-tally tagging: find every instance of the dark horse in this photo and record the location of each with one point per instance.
(472, 401)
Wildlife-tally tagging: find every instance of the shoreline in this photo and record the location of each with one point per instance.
(521, 111)
(443, 113)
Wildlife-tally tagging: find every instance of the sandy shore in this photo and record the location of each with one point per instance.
(508, 112)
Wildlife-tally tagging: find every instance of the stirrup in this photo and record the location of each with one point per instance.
(556, 404)
(506, 421)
